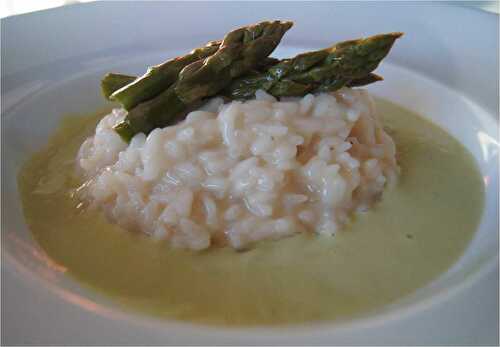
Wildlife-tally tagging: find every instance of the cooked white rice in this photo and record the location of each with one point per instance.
(241, 172)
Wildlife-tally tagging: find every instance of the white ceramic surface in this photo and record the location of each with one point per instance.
(446, 68)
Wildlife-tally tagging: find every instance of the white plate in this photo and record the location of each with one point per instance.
(444, 68)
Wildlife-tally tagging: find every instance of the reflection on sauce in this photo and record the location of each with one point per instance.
(415, 233)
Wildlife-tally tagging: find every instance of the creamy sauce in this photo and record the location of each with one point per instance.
(418, 230)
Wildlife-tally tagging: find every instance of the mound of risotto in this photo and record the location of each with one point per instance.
(239, 172)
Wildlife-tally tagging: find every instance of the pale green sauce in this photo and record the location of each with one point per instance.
(418, 230)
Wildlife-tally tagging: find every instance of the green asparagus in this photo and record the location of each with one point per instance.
(159, 77)
(346, 63)
(240, 52)
(363, 81)
(113, 81)
(237, 67)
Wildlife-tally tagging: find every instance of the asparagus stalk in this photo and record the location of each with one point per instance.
(113, 81)
(159, 77)
(240, 51)
(346, 63)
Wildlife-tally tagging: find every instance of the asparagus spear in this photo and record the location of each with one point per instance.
(159, 77)
(240, 51)
(113, 81)
(363, 81)
(346, 63)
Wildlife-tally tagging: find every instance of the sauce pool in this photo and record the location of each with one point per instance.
(415, 233)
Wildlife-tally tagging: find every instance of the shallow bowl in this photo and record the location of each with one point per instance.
(51, 65)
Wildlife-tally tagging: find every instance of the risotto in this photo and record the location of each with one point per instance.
(300, 156)
(239, 172)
